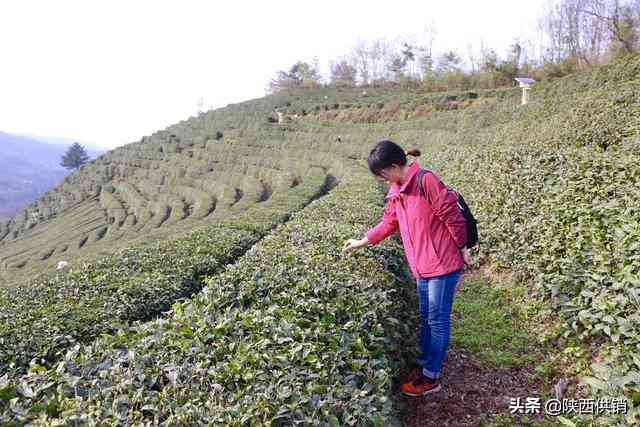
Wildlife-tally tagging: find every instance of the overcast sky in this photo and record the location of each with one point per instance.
(107, 73)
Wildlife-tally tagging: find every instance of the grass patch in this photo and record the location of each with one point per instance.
(487, 323)
(498, 325)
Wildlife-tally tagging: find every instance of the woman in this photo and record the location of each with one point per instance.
(433, 232)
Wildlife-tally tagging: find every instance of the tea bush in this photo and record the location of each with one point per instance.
(293, 333)
(556, 185)
(42, 319)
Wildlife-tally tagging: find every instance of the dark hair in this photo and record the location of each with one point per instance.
(387, 153)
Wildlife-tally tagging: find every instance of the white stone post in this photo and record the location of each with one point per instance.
(525, 95)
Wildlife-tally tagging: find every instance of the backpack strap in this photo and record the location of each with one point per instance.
(420, 174)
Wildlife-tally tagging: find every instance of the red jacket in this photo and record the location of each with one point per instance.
(432, 231)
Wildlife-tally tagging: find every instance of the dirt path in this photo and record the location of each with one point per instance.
(474, 391)
(471, 393)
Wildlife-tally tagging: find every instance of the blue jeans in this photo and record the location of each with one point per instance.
(435, 295)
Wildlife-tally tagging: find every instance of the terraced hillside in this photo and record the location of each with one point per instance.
(290, 331)
(199, 170)
(172, 180)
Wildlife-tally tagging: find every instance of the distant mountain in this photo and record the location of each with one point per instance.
(28, 168)
(63, 141)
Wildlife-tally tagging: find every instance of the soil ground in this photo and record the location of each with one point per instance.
(494, 355)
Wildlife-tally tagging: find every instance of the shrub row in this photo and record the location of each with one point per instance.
(43, 318)
(293, 333)
(556, 185)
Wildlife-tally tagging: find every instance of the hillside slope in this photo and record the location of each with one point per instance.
(293, 332)
(178, 178)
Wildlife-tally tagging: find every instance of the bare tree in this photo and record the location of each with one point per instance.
(425, 58)
(622, 19)
(373, 59)
(558, 21)
(583, 30)
(381, 55)
(473, 59)
(343, 73)
(488, 58)
(529, 59)
(360, 57)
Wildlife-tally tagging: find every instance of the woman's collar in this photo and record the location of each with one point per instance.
(395, 189)
(414, 167)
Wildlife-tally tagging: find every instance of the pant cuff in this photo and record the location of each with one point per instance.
(428, 373)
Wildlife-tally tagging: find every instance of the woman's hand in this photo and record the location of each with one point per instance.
(352, 244)
(466, 254)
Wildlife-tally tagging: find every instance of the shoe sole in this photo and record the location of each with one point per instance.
(433, 390)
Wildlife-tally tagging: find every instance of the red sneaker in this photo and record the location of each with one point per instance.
(421, 386)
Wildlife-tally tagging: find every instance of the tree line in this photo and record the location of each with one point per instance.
(571, 35)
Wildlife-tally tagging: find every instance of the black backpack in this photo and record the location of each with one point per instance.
(472, 227)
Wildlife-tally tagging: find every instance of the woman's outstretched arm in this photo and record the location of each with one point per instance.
(386, 227)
